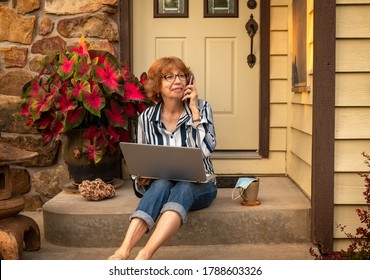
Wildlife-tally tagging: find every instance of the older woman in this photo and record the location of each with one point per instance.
(179, 118)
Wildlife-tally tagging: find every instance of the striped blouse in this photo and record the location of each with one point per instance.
(152, 131)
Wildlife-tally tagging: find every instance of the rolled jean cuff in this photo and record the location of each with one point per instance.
(145, 217)
(173, 206)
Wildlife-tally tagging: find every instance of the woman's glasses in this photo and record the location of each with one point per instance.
(172, 77)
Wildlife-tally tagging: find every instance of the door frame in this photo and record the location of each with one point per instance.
(126, 55)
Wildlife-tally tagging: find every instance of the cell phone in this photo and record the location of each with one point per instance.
(191, 80)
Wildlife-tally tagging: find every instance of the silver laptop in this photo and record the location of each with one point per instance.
(165, 162)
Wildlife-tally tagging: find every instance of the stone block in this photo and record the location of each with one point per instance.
(16, 28)
(33, 203)
(11, 206)
(5, 185)
(48, 45)
(48, 181)
(20, 180)
(14, 57)
(99, 26)
(12, 82)
(46, 152)
(16, 231)
(27, 6)
(78, 7)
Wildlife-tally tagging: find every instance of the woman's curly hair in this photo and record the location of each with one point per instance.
(157, 70)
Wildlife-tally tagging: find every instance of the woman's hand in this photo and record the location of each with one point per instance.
(143, 181)
(191, 94)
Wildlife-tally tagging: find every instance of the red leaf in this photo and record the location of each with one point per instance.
(24, 109)
(93, 152)
(93, 101)
(143, 78)
(124, 135)
(115, 116)
(83, 47)
(100, 56)
(82, 69)
(133, 92)
(141, 107)
(39, 104)
(108, 76)
(92, 132)
(66, 69)
(64, 103)
(113, 135)
(125, 73)
(79, 87)
(57, 128)
(130, 110)
(75, 117)
(46, 121)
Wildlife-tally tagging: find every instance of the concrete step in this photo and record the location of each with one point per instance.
(282, 251)
(282, 217)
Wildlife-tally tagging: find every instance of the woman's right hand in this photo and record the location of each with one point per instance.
(143, 181)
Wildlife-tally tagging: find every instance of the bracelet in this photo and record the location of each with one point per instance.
(198, 119)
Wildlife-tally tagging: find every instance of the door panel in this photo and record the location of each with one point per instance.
(216, 49)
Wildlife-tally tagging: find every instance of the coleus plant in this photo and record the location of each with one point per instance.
(88, 89)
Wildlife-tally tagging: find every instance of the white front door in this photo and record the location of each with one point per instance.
(216, 50)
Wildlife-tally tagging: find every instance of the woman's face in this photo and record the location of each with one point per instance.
(173, 84)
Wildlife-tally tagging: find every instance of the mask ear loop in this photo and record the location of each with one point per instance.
(240, 193)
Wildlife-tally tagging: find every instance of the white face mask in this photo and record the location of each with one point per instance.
(243, 184)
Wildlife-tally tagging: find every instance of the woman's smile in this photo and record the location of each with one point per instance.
(178, 89)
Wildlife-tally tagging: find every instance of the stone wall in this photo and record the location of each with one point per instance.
(30, 29)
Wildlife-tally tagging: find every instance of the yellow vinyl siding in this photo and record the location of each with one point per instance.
(352, 89)
(278, 91)
(352, 123)
(279, 42)
(279, 67)
(275, 164)
(352, 114)
(299, 136)
(278, 139)
(302, 116)
(348, 156)
(353, 2)
(300, 143)
(278, 115)
(353, 55)
(348, 188)
(345, 216)
(349, 26)
(300, 171)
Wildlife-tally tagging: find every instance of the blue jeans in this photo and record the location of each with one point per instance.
(181, 197)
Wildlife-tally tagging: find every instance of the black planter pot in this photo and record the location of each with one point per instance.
(81, 168)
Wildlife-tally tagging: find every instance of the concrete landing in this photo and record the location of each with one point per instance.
(283, 217)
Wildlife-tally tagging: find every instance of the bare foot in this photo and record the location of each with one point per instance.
(119, 256)
(143, 255)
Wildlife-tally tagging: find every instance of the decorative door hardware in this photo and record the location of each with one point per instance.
(252, 4)
(251, 26)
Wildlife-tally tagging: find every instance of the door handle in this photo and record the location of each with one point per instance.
(251, 26)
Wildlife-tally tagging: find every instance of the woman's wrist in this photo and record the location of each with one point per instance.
(197, 119)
